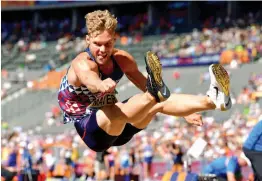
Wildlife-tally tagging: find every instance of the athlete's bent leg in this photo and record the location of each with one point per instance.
(218, 97)
(112, 119)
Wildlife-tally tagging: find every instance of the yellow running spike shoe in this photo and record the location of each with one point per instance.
(219, 90)
(155, 84)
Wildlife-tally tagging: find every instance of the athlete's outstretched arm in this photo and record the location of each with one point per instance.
(129, 66)
(87, 73)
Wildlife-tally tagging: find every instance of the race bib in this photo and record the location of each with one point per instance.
(103, 100)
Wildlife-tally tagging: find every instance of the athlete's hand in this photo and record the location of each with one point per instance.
(195, 119)
(107, 85)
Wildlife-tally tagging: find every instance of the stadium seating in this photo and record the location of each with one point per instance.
(31, 107)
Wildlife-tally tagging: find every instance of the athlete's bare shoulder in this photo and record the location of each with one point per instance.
(124, 59)
(80, 66)
(83, 61)
(122, 54)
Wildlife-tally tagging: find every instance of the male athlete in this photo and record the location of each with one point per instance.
(87, 91)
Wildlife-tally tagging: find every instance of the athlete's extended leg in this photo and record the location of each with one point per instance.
(178, 105)
(218, 97)
(183, 105)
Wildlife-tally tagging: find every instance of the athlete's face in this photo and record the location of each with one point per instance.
(101, 46)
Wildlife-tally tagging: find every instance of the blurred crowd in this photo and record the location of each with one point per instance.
(65, 48)
(242, 45)
(66, 156)
(252, 92)
(152, 151)
(34, 36)
(235, 41)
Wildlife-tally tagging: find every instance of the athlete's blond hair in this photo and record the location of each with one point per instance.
(98, 21)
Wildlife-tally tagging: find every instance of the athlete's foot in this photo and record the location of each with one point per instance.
(155, 84)
(219, 90)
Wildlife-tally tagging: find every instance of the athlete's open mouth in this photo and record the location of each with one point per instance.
(102, 56)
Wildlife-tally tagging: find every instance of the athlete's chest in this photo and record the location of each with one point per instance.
(115, 74)
(107, 69)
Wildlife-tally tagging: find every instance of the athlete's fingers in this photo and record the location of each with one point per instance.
(109, 80)
(195, 119)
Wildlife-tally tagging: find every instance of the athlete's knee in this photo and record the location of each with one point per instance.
(124, 113)
(110, 122)
(156, 109)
